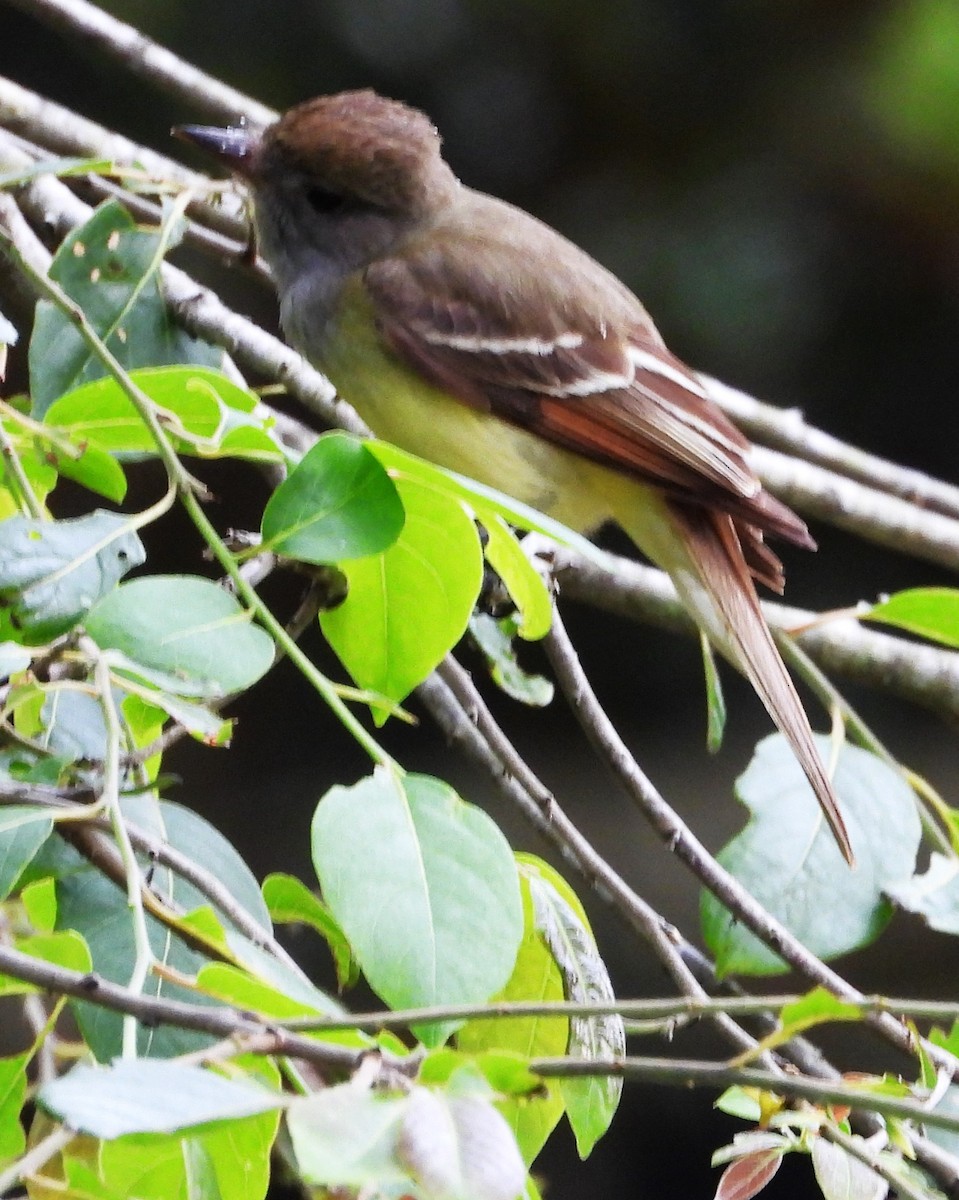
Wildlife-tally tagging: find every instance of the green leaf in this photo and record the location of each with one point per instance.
(715, 701)
(203, 411)
(346, 1137)
(788, 860)
(816, 1008)
(842, 1177)
(13, 659)
(186, 626)
(931, 612)
(535, 977)
(65, 949)
(425, 888)
(81, 1179)
(61, 165)
(156, 1167)
(742, 1103)
(337, 504)
(102, 412)
(200, 722)
(591, 1102)
(39, 900)
(406, 608)
(485, 1072)
(244, 992)
(949, 1041)
(95, 470)
(73, 725)
(23, 830)
(426, 1143)
(948, 1104)
(523, 582)
(290, 900)
(98, 910)
(13, 1093)
(933, 896)
(109, 267)
(459, 1147)
(230, 1159)
(486, 503)
(149, 1096)
(51, 572)
(18, 764)
(40, 474)
(495, 640)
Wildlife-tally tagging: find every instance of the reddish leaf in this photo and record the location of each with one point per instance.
(747, 1176)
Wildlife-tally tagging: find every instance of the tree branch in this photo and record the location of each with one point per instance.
(693, 1073)
(143, 57)
(923, 674)
(153, 1010)
(785, 429)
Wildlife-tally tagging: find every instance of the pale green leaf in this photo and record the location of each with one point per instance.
(424, 887)
(788, 860)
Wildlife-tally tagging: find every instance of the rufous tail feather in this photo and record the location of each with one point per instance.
(714, 582)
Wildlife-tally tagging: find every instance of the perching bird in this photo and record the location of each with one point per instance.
(466, 331)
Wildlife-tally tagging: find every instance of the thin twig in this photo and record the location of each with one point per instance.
(47, 126)
(695, 1073)
(859, 509)
(88, 838)
(143, 951)
(19, 483)
(655, 1008)
(36, 1157)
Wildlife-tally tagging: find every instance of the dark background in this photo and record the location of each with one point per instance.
(779, 183)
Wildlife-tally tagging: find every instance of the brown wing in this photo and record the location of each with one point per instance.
(588, 371)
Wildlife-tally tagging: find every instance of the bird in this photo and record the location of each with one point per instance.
(466, 331)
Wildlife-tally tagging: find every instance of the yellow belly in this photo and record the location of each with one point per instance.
(402, 408)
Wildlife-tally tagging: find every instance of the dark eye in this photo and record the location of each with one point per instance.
(323, 201)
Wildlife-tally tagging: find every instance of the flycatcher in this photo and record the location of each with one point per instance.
(467, 332)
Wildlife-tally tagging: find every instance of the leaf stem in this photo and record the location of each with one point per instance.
(323, 685)
(144, 406)
(18, 475)
(143, 959)
(36, 1157)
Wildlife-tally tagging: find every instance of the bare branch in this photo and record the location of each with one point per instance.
(923, 674)
(865, 511)
(785, 429)
(143, 57)
(152, 1011)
